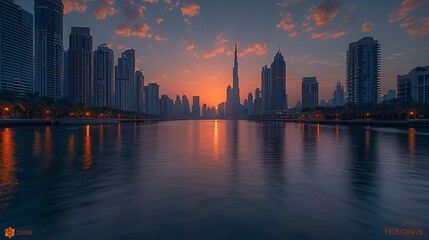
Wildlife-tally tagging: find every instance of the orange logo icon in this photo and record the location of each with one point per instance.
(9, 232)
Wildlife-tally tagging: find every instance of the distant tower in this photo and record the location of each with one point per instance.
(178, 107)
(196, 107)
(140, 91)
(363, 71)
(104, 81)
(310, 93)
(16, 48)
(125, 79)
(338, 96)
(266, 81)
(233, 101)
(49, 48)
(80, 72)
(152, 104)
(278, 99)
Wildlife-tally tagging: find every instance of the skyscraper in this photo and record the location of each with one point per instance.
(338, 96)
(310, 93)
(125, 78)
(140, 91)
(49, 48)
(185, 107)
(266, 81)
(250, 104)
(278, 99)
(196, 107)
(233, 99)
(178, 107)
(80, 64)
(104, 81)
(66, 83)
(363, 71)
(16, 48)
(152, 103)
(414, 85)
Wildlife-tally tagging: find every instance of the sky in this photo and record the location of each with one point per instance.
(186, 46)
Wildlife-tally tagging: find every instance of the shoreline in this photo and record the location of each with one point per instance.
(98, 121)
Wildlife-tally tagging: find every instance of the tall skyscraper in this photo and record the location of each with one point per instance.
(178, 107)
(196, 107)
(16, 48)
(338, 96)
(266, 81)
(80, 66)
(66, 83)
(414, 85)
(185, 107)
(363, 71)
(250, 104)
(152, 100)
(310, 93)
(49, 48)
(125, 81)
(104, 81)
(140, 91)
(233, 99)
(278, 99)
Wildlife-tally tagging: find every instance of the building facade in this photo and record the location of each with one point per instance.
(310, 93)
(16, 48)
(104, 81)
(414, 85)
(338, 96)
(49, 50)
(80, 66)
(278, 98)
(140, 91)
(363, 71)
(125, 81)
(152, 99)
(196, 107)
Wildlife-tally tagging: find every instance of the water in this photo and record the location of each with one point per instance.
(213, 180)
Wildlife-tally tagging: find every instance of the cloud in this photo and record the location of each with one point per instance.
(190, 47)
(407, 22)
(421, 29)
(167, 1)
(324, 12)
(158, 38)
(219, 47)
(190, 10)
(406, 7)
(104, 8)
(396, 56)
(292, 34)
(142, 31)
(109, 44)
(367, 27)
(151, 1)
(286, 22)
(286, 3)
(75, 6)
(159, 20)
(326, 35)
(132, 12)
(255, 49)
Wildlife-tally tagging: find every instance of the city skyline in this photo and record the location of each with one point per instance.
(313, 37)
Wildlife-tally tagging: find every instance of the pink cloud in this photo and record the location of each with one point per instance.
(190, 47)
(407, 22)
(190, 10)
(367, 27)
(159, 20)
(104, 8)
(75, 6)
(406, 7)
(324, 12)
(158, 38)
(286, 3)
(326, 35)
(142, 31)
(255, 49)
(167, 1)
(421, 29)
(151, 1)
(286, 22)
(293, 34)
(219, 46)
(109, 45)
(132, 11)
(120, 47)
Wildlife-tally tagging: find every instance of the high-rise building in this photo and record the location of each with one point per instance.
(16, 48)
(338, 96)
(80, 64)
(104, 81)
(152, 99)
(178, 107)
(49, 50)
(278, 98)
(196, 107)
(233, 98)
(266, 81)
(363, 71)
(310, 93)
(250, 104)
(140, 91)
(125, 81)
(185, 107)
(414, 85)
(66, 83)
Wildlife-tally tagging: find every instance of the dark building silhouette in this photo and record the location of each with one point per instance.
(278, 98)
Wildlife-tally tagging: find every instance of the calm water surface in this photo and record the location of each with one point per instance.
(213, 180)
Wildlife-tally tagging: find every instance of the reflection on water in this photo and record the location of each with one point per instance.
(8, 181)
(213, 180)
